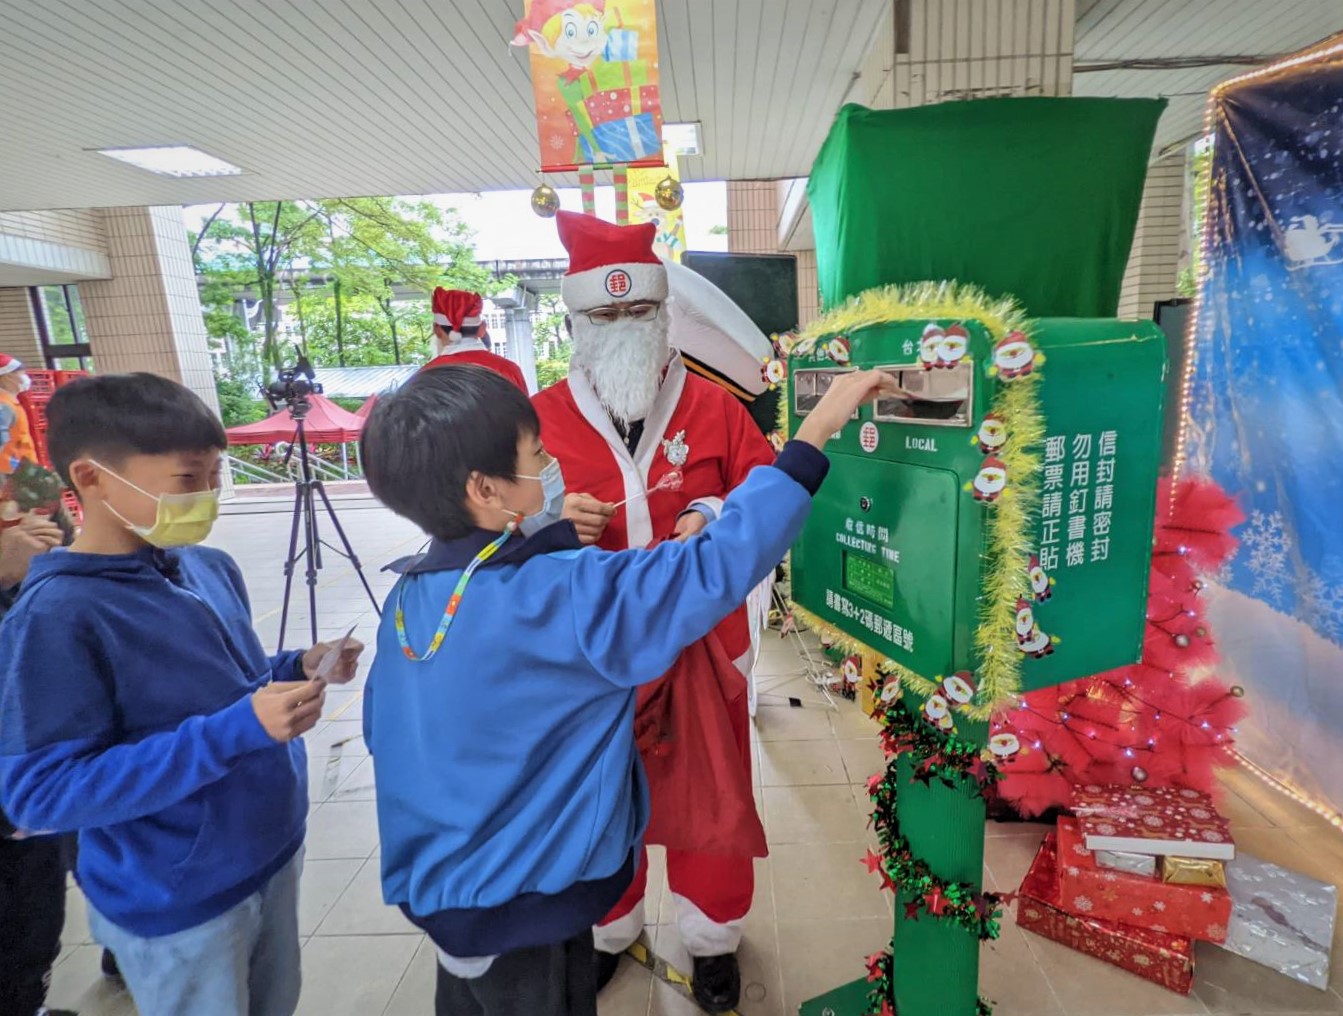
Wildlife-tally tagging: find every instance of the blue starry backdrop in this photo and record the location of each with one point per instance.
(1266, 417)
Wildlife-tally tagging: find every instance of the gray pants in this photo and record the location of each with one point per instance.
(548, 980)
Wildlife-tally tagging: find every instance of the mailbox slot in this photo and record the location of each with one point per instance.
(810, 385)
(941, 397)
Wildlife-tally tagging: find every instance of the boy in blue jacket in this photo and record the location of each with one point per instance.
(500, 709)
(138, 708)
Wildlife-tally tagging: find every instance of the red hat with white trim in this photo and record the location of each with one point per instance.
(608, 263)
(10, 364)
(455, 309)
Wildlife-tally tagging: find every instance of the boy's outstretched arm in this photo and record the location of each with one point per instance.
(61, 770)
(636, 611)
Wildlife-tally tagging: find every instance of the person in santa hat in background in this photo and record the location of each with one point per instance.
(628, 415)
(460, 335)
(16, 438)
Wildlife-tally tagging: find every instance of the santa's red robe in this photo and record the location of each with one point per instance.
(701, 429)
(472, 352)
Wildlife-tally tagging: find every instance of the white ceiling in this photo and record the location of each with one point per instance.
(322, 98)
(319, 98)
(1110, 31)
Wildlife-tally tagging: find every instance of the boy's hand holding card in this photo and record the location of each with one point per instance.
(334, 662)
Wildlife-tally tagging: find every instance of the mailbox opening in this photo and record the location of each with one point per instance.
(939, 397)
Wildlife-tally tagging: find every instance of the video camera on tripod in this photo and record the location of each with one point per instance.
(291, 389)
(292, 386)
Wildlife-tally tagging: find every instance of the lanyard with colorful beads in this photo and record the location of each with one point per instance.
(454, 601)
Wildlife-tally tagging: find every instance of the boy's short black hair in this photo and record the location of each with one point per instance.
(422, 443)
(114, 416)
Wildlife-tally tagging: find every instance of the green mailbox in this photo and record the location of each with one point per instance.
(987, 531)
(893, 552)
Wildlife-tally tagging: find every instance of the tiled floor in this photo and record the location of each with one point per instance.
(817, 912)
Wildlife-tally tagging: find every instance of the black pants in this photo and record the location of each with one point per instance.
(553, 980)
(32, 915)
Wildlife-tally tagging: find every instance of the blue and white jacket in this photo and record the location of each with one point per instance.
(511, 798)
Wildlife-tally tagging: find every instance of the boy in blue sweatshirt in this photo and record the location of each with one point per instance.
(500, 708)
(138, 708)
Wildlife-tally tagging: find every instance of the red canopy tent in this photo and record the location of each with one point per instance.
(326, 423)
(363, 411)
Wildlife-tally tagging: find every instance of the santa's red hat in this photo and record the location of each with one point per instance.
(455, 309)
(1023, 604)
(10, 364)
(993, 462)
(958, 330)
(608, 263)
(1010, 339)
(541, 11)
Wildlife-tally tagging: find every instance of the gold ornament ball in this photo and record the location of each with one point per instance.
(545, 202)
(1139, 774)
(669, 194)
(1237, 691)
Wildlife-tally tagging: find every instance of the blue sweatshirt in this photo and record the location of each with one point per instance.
(511, 798)
(125, 714)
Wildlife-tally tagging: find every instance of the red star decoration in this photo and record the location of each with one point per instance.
(874, 966)
(874, 783)
(873, 862)
(979, 771)
(935, 902)
(886, 883)
(886, 1008)
(912, 910)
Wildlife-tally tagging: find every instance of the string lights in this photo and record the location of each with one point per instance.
(1318, 807)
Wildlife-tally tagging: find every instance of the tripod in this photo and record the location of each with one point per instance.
(307, 489)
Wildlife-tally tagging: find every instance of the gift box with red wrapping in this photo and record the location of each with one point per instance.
(1088, 890)
(1167, 960)
(1164, 821)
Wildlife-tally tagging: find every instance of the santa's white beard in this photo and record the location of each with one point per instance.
(624, 363)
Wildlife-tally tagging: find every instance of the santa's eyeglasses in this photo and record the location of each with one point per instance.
(634, 311)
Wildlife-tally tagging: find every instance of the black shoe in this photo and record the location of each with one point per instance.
(606, 964)
(110, 969)
(716, 982)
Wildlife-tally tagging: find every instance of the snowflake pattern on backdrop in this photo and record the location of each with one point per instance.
(1267, 545)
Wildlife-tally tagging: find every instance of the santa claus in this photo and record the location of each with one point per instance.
(461, 337)
(629, 414)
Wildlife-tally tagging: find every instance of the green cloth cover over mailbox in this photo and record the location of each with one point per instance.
(893, 550)
(1036, 198)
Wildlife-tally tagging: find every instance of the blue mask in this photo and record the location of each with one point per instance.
(552, 508)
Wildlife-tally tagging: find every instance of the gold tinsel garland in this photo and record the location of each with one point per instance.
(1010, 527)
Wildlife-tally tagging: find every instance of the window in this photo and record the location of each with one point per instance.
(60, 327)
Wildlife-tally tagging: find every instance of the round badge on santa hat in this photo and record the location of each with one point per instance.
(9, 364)
(455, 309)
(608, 263)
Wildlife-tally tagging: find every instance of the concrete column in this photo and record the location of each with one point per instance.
(521, 346)
(147, 316)
(18, 328)
(1154, 260)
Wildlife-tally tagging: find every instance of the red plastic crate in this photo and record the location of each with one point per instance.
(44, 383)
(64, 377)
(72, 506)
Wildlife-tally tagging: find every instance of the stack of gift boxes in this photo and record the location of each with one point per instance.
(1136, 876)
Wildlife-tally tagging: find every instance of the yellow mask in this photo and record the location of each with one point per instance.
(182, 520)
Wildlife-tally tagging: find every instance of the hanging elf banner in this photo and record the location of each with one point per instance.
(595, 77)
(655, 196)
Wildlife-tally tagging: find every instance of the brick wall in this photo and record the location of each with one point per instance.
(18, 330)
(1154, 261)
